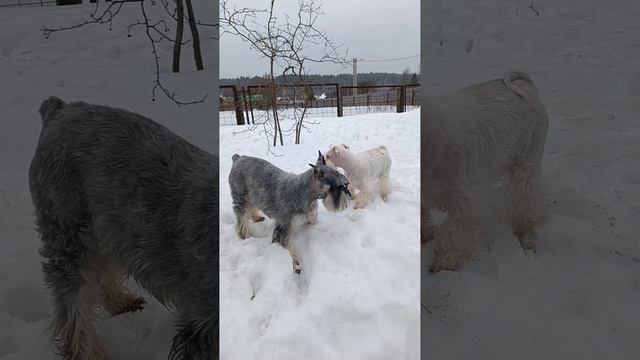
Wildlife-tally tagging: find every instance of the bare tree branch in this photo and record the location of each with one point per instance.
(155, 31)
(532, 8)
(106, 17)
(177, 45)
(157, 82)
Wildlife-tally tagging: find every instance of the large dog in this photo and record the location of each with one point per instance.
(117, 194)
(364, 170)
(257, 185)
(470, 138)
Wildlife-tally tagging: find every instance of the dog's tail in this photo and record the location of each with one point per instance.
(49, 107)
(234, 157)
(513, 75)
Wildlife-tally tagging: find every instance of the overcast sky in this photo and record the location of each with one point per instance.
(370, 29)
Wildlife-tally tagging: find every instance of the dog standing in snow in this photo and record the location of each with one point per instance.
(471, 138)
(363, 170)
(117, 195)
(257, 185)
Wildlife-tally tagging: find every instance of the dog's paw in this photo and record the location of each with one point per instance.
(297, 268)
(244, 232)
(527, 242)
(359, 204)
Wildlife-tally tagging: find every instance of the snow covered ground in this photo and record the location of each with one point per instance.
(577, 297)
(94, 65)
(357, 297)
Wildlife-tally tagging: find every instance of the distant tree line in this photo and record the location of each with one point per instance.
(364, 79)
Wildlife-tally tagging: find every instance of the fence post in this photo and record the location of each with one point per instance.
(244, 103)
(237, 107)
(401, 99)
(339, 96)
(253, 118)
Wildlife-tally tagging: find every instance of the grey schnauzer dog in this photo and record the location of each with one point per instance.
(118, 195)
(257, 185)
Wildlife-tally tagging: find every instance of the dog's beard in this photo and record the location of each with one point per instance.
(336, 200)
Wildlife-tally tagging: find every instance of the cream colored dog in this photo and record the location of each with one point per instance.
(363, 170)
(471, 138)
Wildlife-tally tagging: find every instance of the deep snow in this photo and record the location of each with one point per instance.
(357, 297)
(577, 297)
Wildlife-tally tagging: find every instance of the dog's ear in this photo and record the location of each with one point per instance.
(317, 172)
(321, 160)
(345, 146)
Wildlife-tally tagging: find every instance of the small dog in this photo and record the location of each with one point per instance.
(117, 195)
(257, 185)
(363, 170)
(470, 138)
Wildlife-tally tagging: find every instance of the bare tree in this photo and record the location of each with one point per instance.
(285, 45)
(265, 39)
(177, 44)
(197, 53)
(298, 36)
(156, 31)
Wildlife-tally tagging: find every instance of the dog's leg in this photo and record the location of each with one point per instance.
(74, 289)
(385, 187)
(453, 240)
(312, 215)
(255, 214)
(242, 218)
(282, 235)
(426, 227)
(362, 199)
(527, 202)
(117, 298)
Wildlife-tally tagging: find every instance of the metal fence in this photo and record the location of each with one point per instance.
(246, 105)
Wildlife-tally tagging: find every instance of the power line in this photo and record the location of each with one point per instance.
(392, 59)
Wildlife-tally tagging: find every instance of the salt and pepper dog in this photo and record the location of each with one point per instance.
(364, 170)
(259, 186)
(470, 138)
(119, 195)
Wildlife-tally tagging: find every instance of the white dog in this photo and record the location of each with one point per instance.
(363, 170)
(471, 138)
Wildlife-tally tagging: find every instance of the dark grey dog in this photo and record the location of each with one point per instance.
(257, 185)
(119, 195)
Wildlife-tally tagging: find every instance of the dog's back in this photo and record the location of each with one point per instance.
(374, 163)
(499, 107)
(261, 182)
(128, 183)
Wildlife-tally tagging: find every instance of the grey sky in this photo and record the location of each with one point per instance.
(370, 29)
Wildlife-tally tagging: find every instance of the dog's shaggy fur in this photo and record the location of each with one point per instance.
(257, 185)
(470, 138)
(119, 195)
(364, 170)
